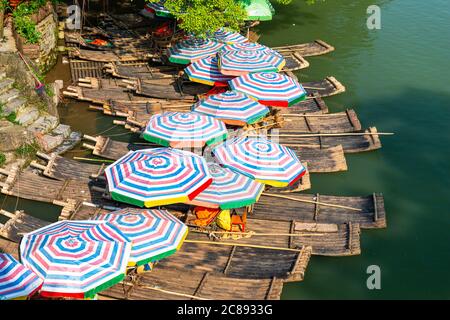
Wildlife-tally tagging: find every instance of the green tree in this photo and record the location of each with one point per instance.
(201, 17)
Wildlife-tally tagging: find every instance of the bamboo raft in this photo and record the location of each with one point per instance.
(140, 71)
(18, 224)
(172, 283)
(319, 160)
(32, 186)
(83, 69)
(351, 142)
(315, 48)
(92, 90)
(369, 212)
(138, 113)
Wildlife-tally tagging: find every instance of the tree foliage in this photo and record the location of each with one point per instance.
(201, 17)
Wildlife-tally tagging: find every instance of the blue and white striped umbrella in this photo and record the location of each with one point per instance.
(265, 161)
(228, 36)
(76, 259)
(184, 129)
(233, 108)
(229, 190)
(237, 63)
(155, 234)
(270, 88)
(246, 46)
(16, 280)
(193, 49)
(156, 177)
(207, 71)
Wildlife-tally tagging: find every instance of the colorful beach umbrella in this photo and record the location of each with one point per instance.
(228, 36)
(261, 10)
(207, 71)
(233, 108)
(267, 162)
(270, 88)
(76, 259)
(237, 63)
(193, 49)
(155, 234)
(229, 190)
(184, 129)
(247, 46)
(17, 282)
(155, 177)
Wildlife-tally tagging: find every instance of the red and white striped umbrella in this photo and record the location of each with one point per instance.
(16, 280)
(155, 234)
(229, 190)
(233, 108)
(270, 88)
(237, 63)
(76, 259)
(156, 177)
(193, 49)
(265, 161)
(184, 129)
(207, 71)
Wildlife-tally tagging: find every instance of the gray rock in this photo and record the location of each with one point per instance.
(5, 85)
(69, 143)
(9, 95)
(13, 105)
(48, 142)
(13, 136)
(62, 129)
(27, 116)
(44, 124)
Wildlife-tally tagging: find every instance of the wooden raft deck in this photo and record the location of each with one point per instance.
(315, 48)
(94, 90)
(370, 213)
(32, 186)
(18, 224)
(350, 142)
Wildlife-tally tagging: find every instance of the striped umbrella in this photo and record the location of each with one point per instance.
(229, 190)
(270, 88)
(207, 71)
(184, 129)
(155, 177)
(233, 108)
(155, 234)
(247, 46)
(16, 281)
(237, 63)
(76, 259)
(262, 160)
(228, 36)
(193, 49)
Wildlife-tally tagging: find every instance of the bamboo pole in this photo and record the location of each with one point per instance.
(310, 201)
(331, 134)
(94, 160)
(241, 245)
(260, 234)
(166, 291)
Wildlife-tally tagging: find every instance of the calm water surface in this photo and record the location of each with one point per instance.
(396, 80)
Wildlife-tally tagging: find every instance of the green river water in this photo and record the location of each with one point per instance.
(396, 80)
